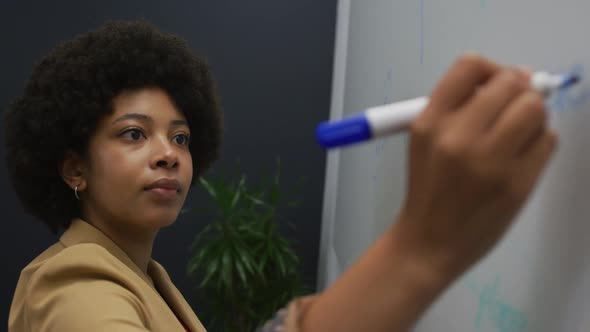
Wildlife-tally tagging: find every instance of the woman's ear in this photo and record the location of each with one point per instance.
(71, 169)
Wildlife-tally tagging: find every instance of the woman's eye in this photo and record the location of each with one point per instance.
(134, 134)
(181, 139)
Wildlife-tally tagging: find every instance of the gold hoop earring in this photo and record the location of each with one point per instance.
(76, 193)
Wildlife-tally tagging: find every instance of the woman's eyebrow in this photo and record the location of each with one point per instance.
(147, 118)
(178, 123)
(137, 116)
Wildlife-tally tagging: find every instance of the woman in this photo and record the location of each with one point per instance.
(114, 126)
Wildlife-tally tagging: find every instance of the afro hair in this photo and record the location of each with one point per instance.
(73, 87)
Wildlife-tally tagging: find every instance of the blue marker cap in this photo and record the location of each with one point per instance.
(346, 131)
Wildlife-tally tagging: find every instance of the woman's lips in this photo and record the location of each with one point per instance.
(164, 188)
(166, 193)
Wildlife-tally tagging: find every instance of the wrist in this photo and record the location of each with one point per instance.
(427, 267)
(394, 284)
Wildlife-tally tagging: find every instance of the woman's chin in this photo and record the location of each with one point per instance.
(159, 220)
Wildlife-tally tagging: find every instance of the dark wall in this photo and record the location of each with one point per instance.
(272, 60)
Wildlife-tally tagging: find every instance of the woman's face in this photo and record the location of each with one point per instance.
(139, 167)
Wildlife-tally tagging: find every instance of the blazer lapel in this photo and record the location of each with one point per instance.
(174, 298)
(82, 232)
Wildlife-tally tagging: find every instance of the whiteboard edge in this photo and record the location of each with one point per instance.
(327, 263)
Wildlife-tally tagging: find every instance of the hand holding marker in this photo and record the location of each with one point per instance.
(386, 120)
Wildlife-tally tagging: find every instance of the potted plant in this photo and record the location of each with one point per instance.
(247, 269)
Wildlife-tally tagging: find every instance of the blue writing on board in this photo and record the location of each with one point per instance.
(493, 310)
(570, 99)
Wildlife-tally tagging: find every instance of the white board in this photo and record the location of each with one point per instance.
(538, 277)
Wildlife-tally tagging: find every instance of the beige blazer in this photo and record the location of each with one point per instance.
(85, 282)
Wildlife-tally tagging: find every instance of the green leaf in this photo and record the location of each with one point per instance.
(245, 257)
(201, 236)
(263, 261)
(240, 269)
(208, 187)
(255, 200)
(227, 270)
(248, 267)
(238, 192)
(212, 270)
(280, 261)
(195, 262)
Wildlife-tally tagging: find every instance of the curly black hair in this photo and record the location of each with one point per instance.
(73, 87)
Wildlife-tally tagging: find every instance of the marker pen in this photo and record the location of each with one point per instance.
(392, 118)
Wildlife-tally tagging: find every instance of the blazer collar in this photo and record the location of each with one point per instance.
(83, 232)
(173, 297)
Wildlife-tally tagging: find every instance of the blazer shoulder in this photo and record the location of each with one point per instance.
(92, 287)
(81, 264)
(89, 281)
(83, 256)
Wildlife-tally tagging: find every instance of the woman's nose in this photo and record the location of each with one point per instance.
(164, 154)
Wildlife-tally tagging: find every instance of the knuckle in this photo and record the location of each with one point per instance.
(511, 80)
(451, 148)
(534, 100)
(534, 105)
(470, 60)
